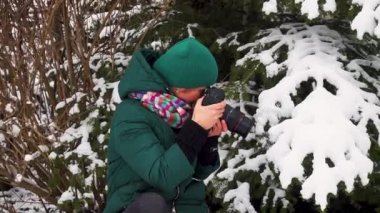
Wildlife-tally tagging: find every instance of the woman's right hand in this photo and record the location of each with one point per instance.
(207, 116)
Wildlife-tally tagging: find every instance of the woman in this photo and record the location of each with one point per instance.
(161, 148)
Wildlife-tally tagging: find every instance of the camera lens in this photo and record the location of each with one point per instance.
(237, 121)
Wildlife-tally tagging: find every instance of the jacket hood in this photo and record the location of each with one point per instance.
(140, 76)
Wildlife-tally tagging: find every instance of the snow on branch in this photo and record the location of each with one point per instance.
(308, 7)
(329, 123)
(366, 21)
(241, 198)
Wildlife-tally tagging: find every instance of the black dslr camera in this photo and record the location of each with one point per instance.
(236, 120)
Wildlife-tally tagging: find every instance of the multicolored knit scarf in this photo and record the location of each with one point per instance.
(173, 110)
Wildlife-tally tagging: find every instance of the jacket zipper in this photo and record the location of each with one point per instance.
(176, 197)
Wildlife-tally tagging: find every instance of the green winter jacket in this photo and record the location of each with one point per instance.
(142, 153)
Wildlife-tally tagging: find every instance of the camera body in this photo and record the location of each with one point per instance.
(236, 121)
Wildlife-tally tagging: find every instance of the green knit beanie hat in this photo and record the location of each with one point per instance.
(187, 64)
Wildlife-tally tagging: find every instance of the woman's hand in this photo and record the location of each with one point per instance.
(219, 127)
(207, 116)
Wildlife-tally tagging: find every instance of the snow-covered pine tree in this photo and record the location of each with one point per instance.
(316, 129)
(364, 15)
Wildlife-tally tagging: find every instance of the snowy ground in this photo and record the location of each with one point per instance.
(24, 201)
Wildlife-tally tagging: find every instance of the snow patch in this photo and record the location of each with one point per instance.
(270, 7)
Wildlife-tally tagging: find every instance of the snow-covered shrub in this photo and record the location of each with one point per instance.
(59, 73)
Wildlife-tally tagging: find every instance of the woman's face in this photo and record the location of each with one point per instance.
(189, 95)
